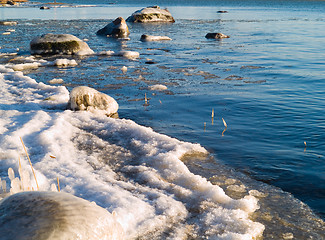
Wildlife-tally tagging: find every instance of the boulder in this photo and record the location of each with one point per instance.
(59, 44)
(88, 99)
(55, 215)
(149, 38)
(118, 29)
(11, 3)
(216, 36)
(44, 8)
(151, 14)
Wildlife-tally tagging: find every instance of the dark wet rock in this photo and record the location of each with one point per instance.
(44, 8)
(216, 36)
(118, 29)
(11, 3)
(151, 14)
(59, 44)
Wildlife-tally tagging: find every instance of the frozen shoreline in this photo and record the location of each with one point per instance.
(97, 146)
(130, 154)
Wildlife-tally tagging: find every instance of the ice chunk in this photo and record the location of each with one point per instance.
(157, 87)
(89, 99)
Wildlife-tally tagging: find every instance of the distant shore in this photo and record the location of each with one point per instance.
(12, 2)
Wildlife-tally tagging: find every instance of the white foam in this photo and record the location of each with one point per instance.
(120, 165)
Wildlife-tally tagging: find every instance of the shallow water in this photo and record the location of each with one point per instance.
(265, 81)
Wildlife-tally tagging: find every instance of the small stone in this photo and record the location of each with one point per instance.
(149, 38)
(216, 36)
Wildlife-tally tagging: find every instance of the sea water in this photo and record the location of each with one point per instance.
(264, 83)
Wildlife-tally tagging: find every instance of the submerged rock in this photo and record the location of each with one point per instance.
(151, 14)
(55, 215)
(59, 44)
(216, 36)
(89, 99)
(118, 29)
(149, 38)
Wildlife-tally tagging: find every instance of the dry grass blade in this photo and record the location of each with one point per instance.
(224, 123)
(21, 174)
(58, 184)
(29, 162)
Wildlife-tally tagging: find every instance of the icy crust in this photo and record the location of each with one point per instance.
(55, 215)
(32, 63)
(123, 167)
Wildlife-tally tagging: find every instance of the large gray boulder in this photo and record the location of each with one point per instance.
(151, 14)
(118, 29)
(59, 44)
(88, 99)
(55, 216)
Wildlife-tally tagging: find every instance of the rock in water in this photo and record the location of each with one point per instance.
(10, 23)
(118, 29)
(216, 36)
(149, 38)
(89, 99)
(151, 14)
(55, 216)
(59, 44)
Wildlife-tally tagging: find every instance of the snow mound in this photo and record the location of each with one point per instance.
(55, 215)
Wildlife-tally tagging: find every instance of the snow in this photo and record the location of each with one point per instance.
(121, 166)
(56, 215)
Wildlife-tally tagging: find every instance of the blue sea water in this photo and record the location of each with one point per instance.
(266, 81)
